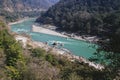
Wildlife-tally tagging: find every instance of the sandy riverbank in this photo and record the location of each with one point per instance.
(16, 22)
(42, 29)
(48, 30)
(19, 21)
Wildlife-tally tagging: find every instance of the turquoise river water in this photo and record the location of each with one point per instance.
(77, 47)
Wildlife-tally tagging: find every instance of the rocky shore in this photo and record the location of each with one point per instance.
(61, 52)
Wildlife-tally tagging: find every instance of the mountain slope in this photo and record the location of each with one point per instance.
(91, 17)
(12, 10)
(24, 5)
(81, 16)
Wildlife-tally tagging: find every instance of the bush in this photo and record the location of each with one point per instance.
(38, 52)
(51, 58)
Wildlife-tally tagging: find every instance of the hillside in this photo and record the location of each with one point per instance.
(81, 16)
(91, 17)
(15, 9)
(26, 5)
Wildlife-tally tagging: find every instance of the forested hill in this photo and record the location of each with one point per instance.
(82, 16)
(91, 17)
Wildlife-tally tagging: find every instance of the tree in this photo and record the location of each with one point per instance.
(110, 46)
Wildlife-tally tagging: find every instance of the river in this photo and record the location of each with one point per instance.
(77, 47)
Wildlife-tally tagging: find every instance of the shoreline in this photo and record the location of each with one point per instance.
(19, 21)
(41, 29)
(16, 22)
(45, 30)
(56, 51)
(49, 29)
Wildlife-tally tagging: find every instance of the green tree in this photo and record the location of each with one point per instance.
(38, 52)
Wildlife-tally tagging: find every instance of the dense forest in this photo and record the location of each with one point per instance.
(82, 16)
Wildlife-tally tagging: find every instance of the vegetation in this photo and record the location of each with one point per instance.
(17, 63)
(81, 16)
(111, 45)
(91, 17)
(11, 54)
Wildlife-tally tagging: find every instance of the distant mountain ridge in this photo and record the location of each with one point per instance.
(12, 10)
(26, 5)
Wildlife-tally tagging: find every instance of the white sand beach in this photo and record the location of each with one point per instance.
(40, 29)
